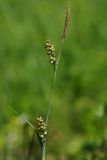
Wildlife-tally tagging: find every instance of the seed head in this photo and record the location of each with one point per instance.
(41, 129)
(50, 51)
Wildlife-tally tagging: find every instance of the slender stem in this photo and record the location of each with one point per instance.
(51, 94)
(14, 111)
(43, 151)
(50, 98)
(53, 83)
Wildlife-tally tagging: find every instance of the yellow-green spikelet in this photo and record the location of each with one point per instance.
(41, 129)
(50, 51)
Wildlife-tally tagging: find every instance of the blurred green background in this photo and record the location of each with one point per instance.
(78, 120)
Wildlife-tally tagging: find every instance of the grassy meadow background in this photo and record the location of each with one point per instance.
(78, 120)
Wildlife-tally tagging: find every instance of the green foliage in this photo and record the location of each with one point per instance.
(77, 125)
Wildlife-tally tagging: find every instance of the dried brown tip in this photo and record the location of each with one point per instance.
(67, 19)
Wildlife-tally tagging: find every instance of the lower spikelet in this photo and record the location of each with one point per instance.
(50, 51)
(41, 129)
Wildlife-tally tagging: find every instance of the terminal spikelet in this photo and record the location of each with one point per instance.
(67, 19)
(50, 51)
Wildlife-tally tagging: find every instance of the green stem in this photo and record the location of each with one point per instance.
(43, 152)
(51, 95)
(53, 83)
(50, 98)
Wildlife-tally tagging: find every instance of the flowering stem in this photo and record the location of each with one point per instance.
(67, 17)
(51, 95)
(53, 83)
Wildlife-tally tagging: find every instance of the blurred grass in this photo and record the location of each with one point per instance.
(25, 75)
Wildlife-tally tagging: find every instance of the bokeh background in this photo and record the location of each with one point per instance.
(78, 120)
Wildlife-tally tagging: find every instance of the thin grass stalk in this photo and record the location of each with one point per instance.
(66, 22)
(51, 95)
(53, 84)
(67, 17)
(44, 152)
(21, 117)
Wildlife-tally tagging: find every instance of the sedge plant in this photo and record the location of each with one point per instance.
(41, 125)
(55, 61)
